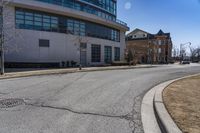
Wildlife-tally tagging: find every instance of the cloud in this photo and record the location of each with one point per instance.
(127, 5)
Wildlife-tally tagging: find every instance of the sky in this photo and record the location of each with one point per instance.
(179, 17)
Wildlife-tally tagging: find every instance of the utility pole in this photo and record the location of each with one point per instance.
(181, 51)
(1, 40)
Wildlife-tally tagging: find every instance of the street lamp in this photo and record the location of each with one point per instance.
(1, 41)
(181, 52)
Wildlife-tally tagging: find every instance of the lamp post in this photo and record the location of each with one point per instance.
(80, 66)
(181, 52)
(1, 41)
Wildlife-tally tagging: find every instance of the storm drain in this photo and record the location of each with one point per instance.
(9, 103)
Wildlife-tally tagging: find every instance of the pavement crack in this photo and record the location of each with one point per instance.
(2, 93)
(66, 85)
(81, 112)
(134, 117)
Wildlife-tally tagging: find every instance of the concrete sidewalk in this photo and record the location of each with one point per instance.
(15, 73)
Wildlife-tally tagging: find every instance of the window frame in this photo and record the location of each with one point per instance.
(95, 53)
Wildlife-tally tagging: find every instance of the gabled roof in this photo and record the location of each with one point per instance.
(136, 30)
(160, 32)
(150, 36)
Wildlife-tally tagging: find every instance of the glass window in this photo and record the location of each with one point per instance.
(54, 23)
(108, 5)
(37, 17)
(54, 20)
(96, 53)
(27, 19)
(46, 19)
(117, 54)
(37, 23)
(76, 27)
(108, 54)
(19, 16)
(82, 28)
(19, 12)
(19, 23)
(46, 26)
(77, 6)
(29, 16)
(70, 26)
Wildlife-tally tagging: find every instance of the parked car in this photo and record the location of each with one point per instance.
(195, 61)
(171, 61)
(185, 62)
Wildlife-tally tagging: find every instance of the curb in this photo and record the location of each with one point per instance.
(149, 121)
(64, 71)
(155, 117)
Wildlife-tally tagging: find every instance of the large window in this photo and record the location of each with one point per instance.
(108, 54)
(117, 54)
(35, 20)
(70, 26)
(108, 10)
(109, 5)
(96, 53)
(99, 31)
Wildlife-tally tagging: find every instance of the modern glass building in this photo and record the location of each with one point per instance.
(84, 32)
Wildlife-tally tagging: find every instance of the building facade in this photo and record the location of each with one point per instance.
(150, 48)
(85, 32)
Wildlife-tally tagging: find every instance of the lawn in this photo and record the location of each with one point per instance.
(182, 100)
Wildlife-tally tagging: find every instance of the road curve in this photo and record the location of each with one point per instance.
(85, 102)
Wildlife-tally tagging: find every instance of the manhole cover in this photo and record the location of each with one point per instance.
(8, 103)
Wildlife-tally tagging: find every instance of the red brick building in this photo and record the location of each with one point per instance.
(149, 48)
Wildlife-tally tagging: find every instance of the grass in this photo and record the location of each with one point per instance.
(182, 100)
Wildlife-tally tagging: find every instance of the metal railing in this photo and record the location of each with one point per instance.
(72, 6)
(121, 22)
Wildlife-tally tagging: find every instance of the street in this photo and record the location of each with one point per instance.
(83, 102)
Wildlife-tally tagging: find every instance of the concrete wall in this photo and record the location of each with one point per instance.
(23, 45)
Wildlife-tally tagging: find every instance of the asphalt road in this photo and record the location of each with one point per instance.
(85, 102)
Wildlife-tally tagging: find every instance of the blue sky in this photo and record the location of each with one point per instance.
(179, 17)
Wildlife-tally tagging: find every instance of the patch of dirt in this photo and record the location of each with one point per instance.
(182, 100)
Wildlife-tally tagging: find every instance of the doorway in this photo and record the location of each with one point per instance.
(83, 54)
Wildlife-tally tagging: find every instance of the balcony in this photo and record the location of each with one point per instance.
(121, 22)
(74, 6)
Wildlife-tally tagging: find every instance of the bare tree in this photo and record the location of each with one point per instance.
(195, 54)
(192, 53)
(82, 44)
(80, 41)
(132, 56)
(175, 52)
